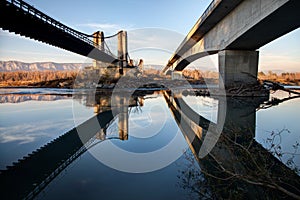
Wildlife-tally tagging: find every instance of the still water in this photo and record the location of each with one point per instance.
(146, 145)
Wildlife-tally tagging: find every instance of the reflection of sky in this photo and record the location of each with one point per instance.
(205, 106)
(150, 129)
(277, 118)
(29, 125)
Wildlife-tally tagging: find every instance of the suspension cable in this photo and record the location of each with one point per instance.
(98, 36)
(108, 49)
(112, 35)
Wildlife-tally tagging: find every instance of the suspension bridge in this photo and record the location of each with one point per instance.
(21, 18)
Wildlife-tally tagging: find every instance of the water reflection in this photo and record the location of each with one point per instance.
(22, 98)
(32, 173)
(22, 95)
(236, 166)
(222, 143)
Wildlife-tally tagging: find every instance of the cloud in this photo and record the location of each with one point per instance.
(107, 28)
(283, 62)
(8, 34)
(154, 38)
(100, 26)
(26, 133)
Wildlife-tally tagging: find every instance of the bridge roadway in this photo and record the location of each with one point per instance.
(223, 156)
(33, 172)
(235, 30)
(21, 18)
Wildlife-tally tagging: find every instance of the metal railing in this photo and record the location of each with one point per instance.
(64, 164)
(45, 18)
(203, 17)
(206, 13)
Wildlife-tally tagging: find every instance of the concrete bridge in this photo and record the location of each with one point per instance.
(231, 158)
(235, 30)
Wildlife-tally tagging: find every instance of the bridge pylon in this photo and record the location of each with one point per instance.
(122, 51)
(98, 39)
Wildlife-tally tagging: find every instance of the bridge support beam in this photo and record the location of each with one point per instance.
(98, 39)
(238, 68)
(176, 75)
(240, 116)
(122, 51)
(123, 119)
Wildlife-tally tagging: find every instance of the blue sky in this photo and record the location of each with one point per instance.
(163, 23)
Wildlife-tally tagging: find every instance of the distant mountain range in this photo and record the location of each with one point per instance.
(157, 67)
(10, 66)
(21, 98)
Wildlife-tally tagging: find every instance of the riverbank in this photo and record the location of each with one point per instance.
(67, 79)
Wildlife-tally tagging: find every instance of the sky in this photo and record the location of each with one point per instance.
(155, 29)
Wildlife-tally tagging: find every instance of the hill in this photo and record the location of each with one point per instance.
(12, 66)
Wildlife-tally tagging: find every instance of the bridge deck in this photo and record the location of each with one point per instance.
(244, 25)
(21, 18)
(214, 13)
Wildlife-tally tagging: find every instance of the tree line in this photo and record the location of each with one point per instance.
(19, 77)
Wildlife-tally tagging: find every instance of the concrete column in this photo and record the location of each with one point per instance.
(238, 116)
(176, 75)
(98, 39)
(123, 120)
(125, 48)
(238, 68)
(120, 52)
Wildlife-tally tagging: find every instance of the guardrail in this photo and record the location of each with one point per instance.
(211, 7)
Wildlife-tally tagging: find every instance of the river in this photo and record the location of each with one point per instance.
(147, 145)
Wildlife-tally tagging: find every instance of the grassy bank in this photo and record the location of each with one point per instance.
(65, 79)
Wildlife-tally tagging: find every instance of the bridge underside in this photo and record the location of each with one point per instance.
(282, 21)
(18, 21)
(247, 27)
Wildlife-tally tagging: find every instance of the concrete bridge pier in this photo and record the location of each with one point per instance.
(122, 51)
(240, 117)
(176, 75)
(98, 39)
(238, 68)
(123, 118)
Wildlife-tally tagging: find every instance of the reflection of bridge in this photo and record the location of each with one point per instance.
(232, 154)
(45, 163)
(235, 29)
(28, 176)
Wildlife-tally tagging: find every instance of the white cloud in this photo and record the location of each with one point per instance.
(25, 133)
(100, 26)
(282, 62)
(7, 34)
(107, 28)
